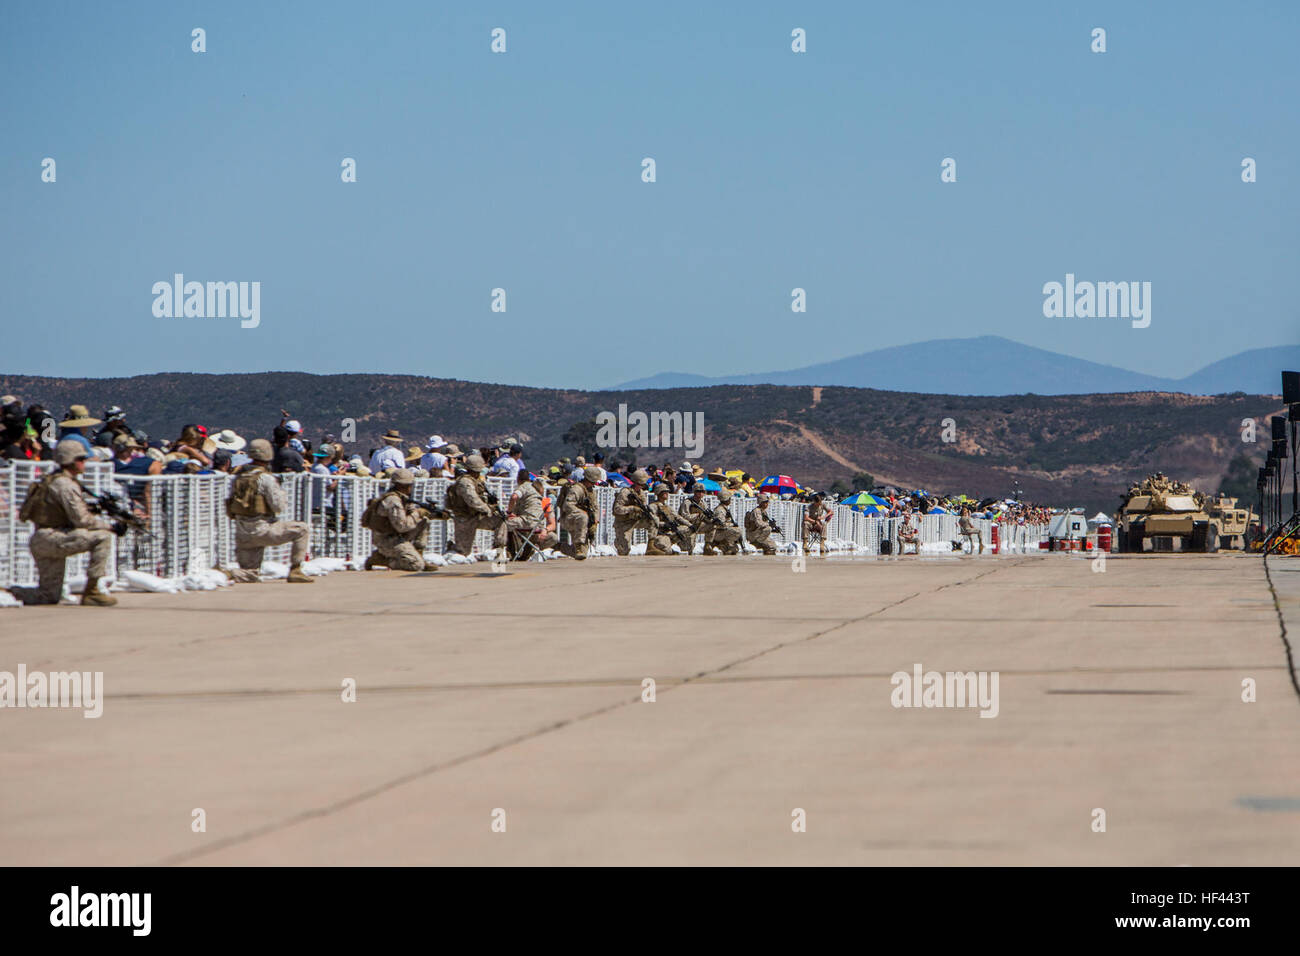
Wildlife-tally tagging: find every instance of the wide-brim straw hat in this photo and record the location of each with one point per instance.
(392, 436)
(79, 417)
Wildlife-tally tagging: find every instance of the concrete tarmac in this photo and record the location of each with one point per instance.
(518, 699)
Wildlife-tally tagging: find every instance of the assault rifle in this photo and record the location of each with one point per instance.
(434, 511)
(663, 524)
(772, 522)
(706, 514)
(114, 508)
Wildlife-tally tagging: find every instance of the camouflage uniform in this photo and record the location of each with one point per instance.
(629, 515)
(254, 508)
(757, 530)
(816, 520)
(527, 515)
(692, 514)
(661, 541)
(727, 535)
(68, 527)
(579, 514)
(724, 537)
(404, 532)
(966, 527)
(470, 510)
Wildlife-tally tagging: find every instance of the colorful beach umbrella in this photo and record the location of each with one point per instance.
(782, 485)
(862, 501)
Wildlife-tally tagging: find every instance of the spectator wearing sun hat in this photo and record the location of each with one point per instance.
(228, 440)
(75, 424)
(390, 456)
(433, 460)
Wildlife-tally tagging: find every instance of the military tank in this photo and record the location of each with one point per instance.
(1170, 515)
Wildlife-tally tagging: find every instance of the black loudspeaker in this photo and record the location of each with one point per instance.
(1279, 435)
(1291, 388)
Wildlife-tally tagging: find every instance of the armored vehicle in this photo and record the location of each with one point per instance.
(1170, 515)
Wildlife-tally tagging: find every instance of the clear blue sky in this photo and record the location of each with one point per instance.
(522, 170)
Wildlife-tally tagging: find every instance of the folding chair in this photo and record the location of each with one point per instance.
(523, 544)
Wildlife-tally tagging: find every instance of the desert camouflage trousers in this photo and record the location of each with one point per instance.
(576, 525)
(726, 540)
(623, 534)
(255, 535)
(466, 528)
(762, 539)
(403, 552)
(51, 549)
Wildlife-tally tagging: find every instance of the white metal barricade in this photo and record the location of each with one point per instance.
(16, 565)
(186, 518)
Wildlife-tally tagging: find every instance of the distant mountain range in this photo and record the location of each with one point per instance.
(990, 365)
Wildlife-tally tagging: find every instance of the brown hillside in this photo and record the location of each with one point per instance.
(1078, 449)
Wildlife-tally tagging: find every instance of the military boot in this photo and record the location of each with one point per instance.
(91, 596)
(297, 577)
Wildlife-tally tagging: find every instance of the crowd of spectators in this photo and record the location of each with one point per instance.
(30, 433)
